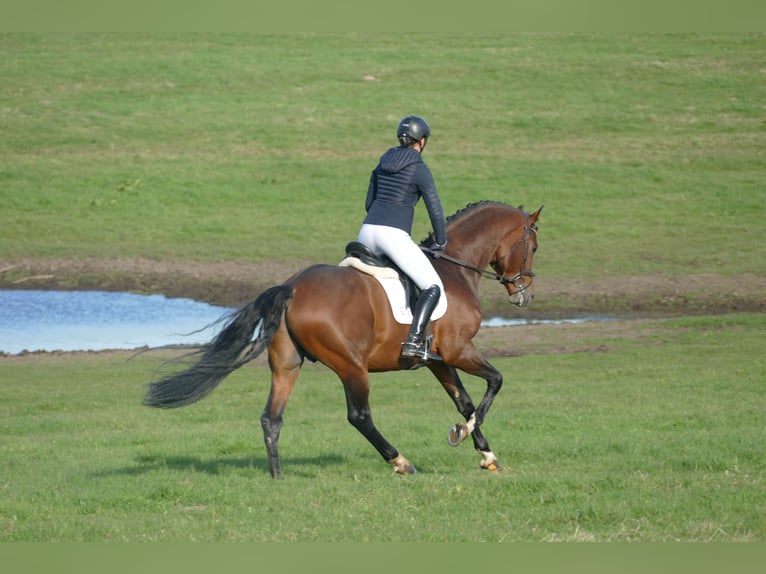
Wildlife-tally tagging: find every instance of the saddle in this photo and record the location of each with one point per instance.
(360, 251)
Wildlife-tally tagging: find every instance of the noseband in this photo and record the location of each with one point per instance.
(520, 288)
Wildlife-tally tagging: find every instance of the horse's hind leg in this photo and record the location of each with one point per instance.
(285, 362)
(451, 383)
(357, 390)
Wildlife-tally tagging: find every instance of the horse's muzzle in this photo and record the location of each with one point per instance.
(521, 293)
(521, 298)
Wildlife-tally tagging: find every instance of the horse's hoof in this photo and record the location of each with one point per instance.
(491, 465)
(457, 434)
(402, 465)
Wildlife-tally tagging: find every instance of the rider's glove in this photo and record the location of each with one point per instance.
(437, 249)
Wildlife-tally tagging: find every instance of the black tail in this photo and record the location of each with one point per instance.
(246, 334)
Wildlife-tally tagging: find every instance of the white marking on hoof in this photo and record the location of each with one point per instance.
(489, 461)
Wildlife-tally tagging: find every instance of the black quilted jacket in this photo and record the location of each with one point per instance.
(396, 184)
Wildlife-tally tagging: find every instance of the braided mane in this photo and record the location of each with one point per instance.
(429, 239)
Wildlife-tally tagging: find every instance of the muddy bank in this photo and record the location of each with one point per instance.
(232, 283)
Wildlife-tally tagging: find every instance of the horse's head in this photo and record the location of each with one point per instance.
(513, 260)
(496, 234)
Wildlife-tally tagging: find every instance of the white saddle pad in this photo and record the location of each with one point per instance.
(389, 280)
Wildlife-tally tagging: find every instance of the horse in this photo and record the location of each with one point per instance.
(341, 317)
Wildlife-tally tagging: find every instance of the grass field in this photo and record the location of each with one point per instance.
(648, 152)
(656, 440)
(644, 148)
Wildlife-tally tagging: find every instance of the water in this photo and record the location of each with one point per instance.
(100, 320)
(501, 322)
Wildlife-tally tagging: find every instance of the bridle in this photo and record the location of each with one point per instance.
(516, 280)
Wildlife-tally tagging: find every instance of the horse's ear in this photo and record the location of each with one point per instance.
(533, 216)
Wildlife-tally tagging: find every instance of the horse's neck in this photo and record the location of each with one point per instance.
(475, 246)
(473, 253)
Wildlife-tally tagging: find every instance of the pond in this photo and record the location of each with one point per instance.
(99, 320)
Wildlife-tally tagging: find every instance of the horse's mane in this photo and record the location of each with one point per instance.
(460, 213)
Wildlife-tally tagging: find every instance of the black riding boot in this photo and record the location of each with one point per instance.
(415, 345)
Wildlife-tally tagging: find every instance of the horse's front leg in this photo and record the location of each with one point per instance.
(449, 379)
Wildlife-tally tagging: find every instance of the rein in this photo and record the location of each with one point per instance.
(479, 270)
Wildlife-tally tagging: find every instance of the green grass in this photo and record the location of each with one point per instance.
(647, 150)
(656, 440)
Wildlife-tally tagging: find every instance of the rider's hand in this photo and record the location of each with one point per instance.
(437, 249)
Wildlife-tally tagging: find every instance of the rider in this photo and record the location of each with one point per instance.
(396, 184)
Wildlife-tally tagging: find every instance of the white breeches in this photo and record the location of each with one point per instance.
(399, 246)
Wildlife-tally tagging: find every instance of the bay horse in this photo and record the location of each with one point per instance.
(341, 317)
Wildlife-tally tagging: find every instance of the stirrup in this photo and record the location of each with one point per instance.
(413, 347)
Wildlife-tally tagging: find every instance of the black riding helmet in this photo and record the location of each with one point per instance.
(412, 129)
